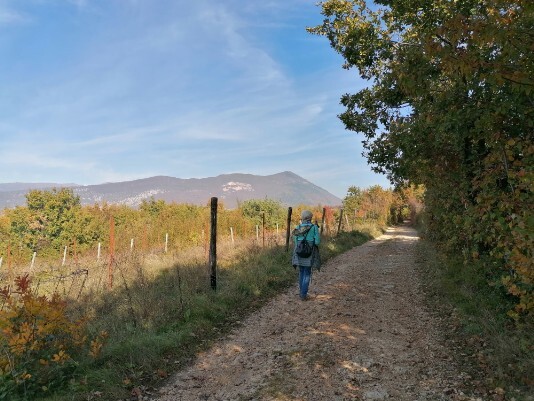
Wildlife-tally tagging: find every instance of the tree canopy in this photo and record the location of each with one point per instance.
(49, 219)
(450, 105)
(274, 212)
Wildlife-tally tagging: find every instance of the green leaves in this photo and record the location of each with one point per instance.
(449, 106)
(50, 219)
(254, 209)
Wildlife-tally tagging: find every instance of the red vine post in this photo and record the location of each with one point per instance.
(323, 220)
(75, 253)
(145, 239)
(9, 267)
(263, 229)
(111, 251)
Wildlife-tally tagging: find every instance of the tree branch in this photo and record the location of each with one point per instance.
(516, 82)
(443, 39)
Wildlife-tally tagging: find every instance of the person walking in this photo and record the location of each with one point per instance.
(309, 232)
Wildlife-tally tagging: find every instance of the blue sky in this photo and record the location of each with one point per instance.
(95, 91)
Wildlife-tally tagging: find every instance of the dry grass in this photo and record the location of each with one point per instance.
(161, 310)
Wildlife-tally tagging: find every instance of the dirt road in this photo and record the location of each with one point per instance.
(363, 335)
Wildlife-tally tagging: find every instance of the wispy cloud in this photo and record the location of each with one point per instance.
(79, 3)
(9, 16)
(190, 89)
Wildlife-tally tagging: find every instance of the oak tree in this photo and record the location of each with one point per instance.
(450, 105)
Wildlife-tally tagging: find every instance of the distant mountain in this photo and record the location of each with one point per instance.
(13, 194)
(26, 186)
(286, 187)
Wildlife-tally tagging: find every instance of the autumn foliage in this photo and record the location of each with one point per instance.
(449, 106)
(53, 220)
(383, 206)
(40, 342)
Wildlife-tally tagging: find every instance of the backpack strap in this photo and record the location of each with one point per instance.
(306, 235)
(299, 231)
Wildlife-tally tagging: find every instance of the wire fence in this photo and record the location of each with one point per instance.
(74, 272)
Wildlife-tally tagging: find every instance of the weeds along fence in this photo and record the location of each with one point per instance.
(125, 256)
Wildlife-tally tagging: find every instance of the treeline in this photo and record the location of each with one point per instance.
(55, 219)
(450, 106)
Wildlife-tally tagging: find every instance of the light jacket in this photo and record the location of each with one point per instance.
(312, 236)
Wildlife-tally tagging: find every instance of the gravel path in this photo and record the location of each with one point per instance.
(363, 335)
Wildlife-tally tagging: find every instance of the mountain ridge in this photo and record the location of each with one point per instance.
(285, 187)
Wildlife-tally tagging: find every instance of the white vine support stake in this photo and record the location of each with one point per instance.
(257, 232)
(98, 252)
(64, 256)
(277, 233)
(1, 260)
(232, 235)
(33, 260)
(131, 244)
(166, 242)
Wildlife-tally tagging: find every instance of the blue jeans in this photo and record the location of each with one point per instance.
(304, 280)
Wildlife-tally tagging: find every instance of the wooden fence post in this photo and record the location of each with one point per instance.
(213, 245)
(288, 230)
(340, 221)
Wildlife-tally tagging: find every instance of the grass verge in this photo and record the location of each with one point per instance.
(157, 324)
(498, 352)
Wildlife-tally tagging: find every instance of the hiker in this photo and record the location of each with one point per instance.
(308, 232)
